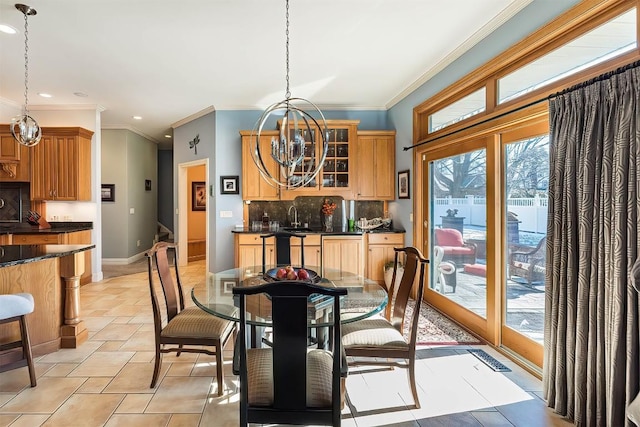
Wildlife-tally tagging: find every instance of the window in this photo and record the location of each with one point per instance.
(466, 107)
(611, 39)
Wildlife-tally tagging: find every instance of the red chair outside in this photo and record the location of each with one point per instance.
(456, 250)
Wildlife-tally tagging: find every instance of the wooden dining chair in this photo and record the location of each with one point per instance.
(379, 340)
(289, 383)
(283, 247)
(189, 326)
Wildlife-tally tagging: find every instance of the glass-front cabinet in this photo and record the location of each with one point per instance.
(336, 176)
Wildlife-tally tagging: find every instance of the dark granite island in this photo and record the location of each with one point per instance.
(51, 273)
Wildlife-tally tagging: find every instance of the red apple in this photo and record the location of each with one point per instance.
(303, 274)
(292, 275)
(281, 273)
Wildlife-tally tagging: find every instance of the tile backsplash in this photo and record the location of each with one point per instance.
(14, 202)
(310, 210)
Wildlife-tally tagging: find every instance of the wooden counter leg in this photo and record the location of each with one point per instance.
(73, 332)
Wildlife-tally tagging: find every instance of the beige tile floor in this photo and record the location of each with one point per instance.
(105, 382)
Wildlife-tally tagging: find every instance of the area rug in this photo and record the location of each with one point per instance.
(436, 329)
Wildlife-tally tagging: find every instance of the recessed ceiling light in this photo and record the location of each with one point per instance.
(80, 94)
(168, 136)
(45, 95)
(4, 28)
(136, 117)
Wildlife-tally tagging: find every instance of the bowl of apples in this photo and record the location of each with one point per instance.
(292, 273)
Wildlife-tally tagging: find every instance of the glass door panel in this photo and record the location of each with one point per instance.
(526, 184)
(458, 229)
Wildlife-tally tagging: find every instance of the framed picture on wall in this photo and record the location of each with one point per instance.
(108, 192)
(403, 184)
(229, 185)
(198, 196)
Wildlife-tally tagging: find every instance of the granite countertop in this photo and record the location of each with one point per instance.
(11, 255)
(56, 228)
(337, 231)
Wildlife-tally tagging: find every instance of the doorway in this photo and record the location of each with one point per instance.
(193, 210)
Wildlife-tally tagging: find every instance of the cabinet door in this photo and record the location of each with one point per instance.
(61, 165)
(254, 186)
(311, 256)
(337, 174)
(342, 256)
(9, 149)
(14, 159)
(376, 165)
(380, 251)
(42, 169)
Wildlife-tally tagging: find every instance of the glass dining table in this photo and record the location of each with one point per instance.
(364, 298)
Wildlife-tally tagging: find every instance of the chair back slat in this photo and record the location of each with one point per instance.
(414, 262)
(283, 247)
(289, 315)
(159, 255)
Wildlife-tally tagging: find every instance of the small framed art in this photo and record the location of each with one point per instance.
(229, 185)
(403, 184)
(108, 192)
(198, 196)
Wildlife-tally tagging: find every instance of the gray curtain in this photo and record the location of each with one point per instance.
(592, 360)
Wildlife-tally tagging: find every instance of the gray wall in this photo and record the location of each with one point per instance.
(165, 188)
(536, 14)
(127, 160)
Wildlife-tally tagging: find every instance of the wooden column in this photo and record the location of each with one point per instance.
(73, 332)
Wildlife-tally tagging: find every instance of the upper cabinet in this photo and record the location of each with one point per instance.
(336, 177)
(61, 165)
(376, 165)
(359, 164)
(14, 158)
(254, 187)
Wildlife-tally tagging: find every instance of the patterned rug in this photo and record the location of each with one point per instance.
(437, 329)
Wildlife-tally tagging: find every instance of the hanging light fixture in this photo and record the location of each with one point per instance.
(299, 132)
(24, 128)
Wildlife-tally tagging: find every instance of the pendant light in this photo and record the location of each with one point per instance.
(299, 133)
(24, 128)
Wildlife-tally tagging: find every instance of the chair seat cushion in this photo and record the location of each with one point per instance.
(13, 305)
(458, 250)
(260, 376)
(193, 322)
(372, 332)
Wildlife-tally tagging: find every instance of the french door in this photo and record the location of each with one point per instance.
(483, 214)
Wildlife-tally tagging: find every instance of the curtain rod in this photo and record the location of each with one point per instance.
(532, 103)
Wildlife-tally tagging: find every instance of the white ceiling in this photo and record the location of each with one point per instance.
(166, 60)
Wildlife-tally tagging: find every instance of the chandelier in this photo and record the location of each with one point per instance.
(24, 128)
(294, 151)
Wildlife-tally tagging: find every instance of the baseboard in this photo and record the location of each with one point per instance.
(123, 261)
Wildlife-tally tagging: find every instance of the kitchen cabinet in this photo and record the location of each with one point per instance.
(61, 165)
(376, 165)
(249, 250)
(312, 251)
(14, 158)
(380, 251)
(254, 187)
(337, 176)
(342, 253)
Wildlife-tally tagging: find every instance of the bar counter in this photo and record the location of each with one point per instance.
(51, 273)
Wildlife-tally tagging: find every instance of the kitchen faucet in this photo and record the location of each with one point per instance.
(295, 222)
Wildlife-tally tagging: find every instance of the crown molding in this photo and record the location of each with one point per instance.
(131, 129)
(193, 117)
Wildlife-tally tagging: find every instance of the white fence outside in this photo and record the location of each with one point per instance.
(531, 212)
